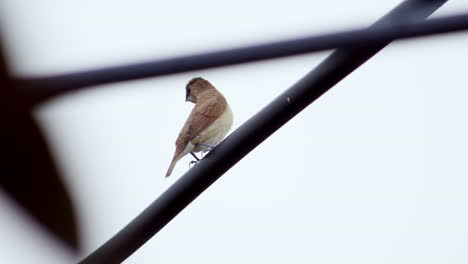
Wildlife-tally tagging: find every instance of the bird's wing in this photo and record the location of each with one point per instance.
(203, 115)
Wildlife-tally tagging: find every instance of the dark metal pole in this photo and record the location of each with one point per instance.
(334, 68)
(44, 88)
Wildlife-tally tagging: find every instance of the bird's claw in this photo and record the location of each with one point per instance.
(192, 163)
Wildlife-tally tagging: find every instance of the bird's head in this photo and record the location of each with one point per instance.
(195, 87)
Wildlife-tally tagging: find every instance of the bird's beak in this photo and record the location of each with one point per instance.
(190, 99)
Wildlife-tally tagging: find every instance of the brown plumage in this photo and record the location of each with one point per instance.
(208, 123)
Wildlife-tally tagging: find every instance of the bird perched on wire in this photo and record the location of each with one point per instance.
(208, 123)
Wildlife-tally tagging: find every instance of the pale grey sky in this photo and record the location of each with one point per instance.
(375, 171)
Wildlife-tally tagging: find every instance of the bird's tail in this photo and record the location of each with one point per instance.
(171, 167)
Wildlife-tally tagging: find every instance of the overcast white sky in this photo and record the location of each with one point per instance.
(375, 171)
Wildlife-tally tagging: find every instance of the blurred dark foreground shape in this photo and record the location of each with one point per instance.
(28, 173)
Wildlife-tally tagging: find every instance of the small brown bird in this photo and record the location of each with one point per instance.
(209, 122)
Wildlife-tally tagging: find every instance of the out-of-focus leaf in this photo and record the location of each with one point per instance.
(28, 173)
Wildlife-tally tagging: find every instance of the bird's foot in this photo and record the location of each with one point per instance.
(192, 163)
(203, 154)
(195, 156)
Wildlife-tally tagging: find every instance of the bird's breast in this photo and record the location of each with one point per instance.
(215, 132)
